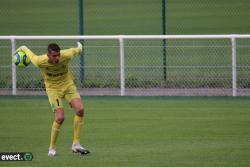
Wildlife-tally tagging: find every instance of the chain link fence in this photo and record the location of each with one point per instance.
(188, 64)
(193, 67)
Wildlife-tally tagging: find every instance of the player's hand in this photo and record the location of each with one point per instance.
(21, 48)
(79, 45)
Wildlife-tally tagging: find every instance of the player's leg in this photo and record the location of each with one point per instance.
(57, 108)
(58, 120)
(77, 105)
(74, 99)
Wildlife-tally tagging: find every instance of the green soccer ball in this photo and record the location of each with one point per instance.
(21, 60)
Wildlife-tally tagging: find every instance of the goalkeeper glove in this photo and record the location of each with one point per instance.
(79, 45)
(21, 48)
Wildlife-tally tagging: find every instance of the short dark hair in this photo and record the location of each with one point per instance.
(53, 47)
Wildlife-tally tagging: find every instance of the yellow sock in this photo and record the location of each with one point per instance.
(78, 122)
(54, 133)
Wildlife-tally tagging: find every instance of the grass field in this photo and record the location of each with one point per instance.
(133, 131)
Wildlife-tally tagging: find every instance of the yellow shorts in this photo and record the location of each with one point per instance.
(68, 92)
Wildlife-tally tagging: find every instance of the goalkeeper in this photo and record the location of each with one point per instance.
(59, 84)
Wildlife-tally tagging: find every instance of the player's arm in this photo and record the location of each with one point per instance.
(69, 53)
(33, 58)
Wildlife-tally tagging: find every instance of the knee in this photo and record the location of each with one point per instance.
(59, 119)
(59, 115)
(80, 112)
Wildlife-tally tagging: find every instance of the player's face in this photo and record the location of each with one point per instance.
(54, 57)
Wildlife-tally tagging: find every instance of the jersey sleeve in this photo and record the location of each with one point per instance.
(69, 53)
(33, 58)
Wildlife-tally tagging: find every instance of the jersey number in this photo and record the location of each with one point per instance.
(57, 102)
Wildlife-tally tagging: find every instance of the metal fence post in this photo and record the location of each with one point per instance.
(81, 31)
(13, 66)
(122, 70)
(164, 42)
(234, 67)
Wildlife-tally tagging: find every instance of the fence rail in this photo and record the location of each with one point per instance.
(144, 76)
(78, 37)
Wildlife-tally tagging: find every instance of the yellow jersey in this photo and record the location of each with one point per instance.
(55, 75)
